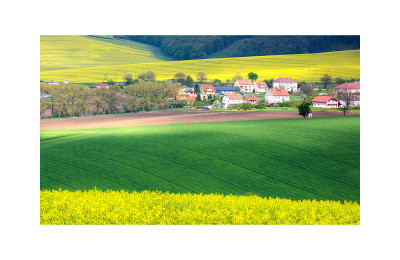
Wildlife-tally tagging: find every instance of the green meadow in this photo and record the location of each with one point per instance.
(297, 159)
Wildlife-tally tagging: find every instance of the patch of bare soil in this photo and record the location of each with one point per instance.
(168, 117)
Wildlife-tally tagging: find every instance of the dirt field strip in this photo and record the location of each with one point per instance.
(168, 117)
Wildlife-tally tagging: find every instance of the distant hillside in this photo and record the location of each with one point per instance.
(189, 47)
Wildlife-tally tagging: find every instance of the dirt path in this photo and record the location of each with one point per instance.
(168, 117)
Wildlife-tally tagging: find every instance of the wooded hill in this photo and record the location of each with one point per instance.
(187, 47)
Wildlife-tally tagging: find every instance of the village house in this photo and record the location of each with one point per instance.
(252, 100)
(66, 82)
(245, 85)
(352, 87)
(208, 89)
(230, 99)
(285, 83)
(260, 87)
(99, 85)
(325, 102)
(190, 99)
(274, 96)
(222, 90)
(187, 90)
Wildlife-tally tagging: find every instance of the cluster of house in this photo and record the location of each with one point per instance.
(332, 102)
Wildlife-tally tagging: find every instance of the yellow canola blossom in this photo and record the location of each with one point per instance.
(95, 207)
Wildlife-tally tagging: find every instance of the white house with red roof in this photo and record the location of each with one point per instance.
(353, 87)
(230, 99)
(251, 100)
(285, 83)
(274, 96)
(245, 85)
(260, 87)
(99, 85)
(208, 89)
(325, 102)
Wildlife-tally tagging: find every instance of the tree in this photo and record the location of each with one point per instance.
(346, 98)
(326, 80)
(252, 76)
(246, 106)
(217, 82)
(128, 78)
(201, 76)
(189, 81)
(110, 82)
(147, 76)
(217, 104)
(261, 105)
(198, 98)
(339, 80)
(43, 106)
(308, 89)
(180, 77)
(237, 76)
(304, 109)
(197, 89)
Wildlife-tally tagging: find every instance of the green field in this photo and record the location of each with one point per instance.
(60, 53)
(287, 158)
(92, 63)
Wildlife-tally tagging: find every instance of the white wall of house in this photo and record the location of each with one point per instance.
(330, 104)
(289, 86)
(244, 88)
(226, 101)
(259, 90)
(275, 99)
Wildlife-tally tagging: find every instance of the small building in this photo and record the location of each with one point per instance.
(325, 102)
(99, 85)
(245, 85)
(230, 99)
(285, 83)
(353, 87)
(274, 96)
(251, 100)
(51, 83)
(208, 89)
(260, 87)
(121, 84)
(66, 81)
(187, 91)
(222, 90)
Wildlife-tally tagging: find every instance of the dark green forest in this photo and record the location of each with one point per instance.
(187, 47)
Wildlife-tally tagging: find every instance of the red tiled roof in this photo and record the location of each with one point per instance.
(102, 84)
(187, 98)
(234, 96)
(323, 99)
(205, 87)
(285, 80)
(261, 84)
(349, 85)
(252, 98)
(279, 92)
(244, 82)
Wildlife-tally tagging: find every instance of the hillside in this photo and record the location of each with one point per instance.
(73, 52)
(188, 47)
(344, 64)
(287, 158)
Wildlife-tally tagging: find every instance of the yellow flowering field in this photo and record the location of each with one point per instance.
(95, 207)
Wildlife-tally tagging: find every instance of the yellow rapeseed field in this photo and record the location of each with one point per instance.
(95, 207)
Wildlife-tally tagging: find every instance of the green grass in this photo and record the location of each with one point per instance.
(315, 158)
(60, 53)
(344, 64)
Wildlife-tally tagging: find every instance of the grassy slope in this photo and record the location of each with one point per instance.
(342, 63)
(72, 52)
(290, 158)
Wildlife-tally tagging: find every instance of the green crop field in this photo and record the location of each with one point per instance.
(287, 158)
(83, 59)
(60, 53)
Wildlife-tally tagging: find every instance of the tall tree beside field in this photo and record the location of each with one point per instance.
(197, 89)
(252, 76)
(237, 76)
(147, 76)
(308, 89)
(180, 77)
(347, 98)
(261, 105)
(189, 81)
(128, 78)
(246, 106)
(201, 76)
(326, 80)
(304, 109)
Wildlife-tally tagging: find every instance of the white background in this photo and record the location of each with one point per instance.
(23, 22)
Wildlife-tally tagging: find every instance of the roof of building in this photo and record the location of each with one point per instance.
(323, 99)
(225, 88)
(252, 98)
(190, 98)
(349, 85)
(101, 84)
(279, 92)
(261, 84)
(205, 87)
(244, 82)
(234, 96)
(285, 80)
